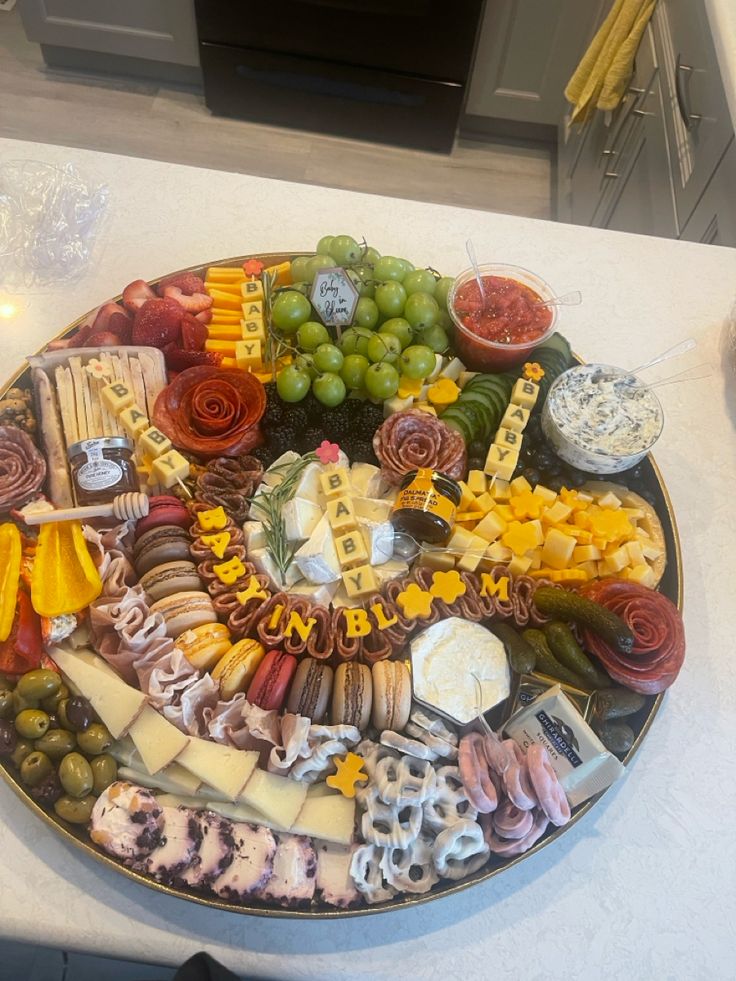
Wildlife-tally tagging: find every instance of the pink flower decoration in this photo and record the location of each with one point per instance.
(328, 452)
(253, 267)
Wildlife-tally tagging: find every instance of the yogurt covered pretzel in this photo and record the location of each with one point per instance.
(410, 869)
(405, 782)
(449, 803)
(477, 777)
(460, 849)
(388, 825)
(406, 746)
(551, 796)
(367, 874)
(508, 847)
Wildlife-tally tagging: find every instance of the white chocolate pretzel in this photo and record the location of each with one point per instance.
(460, 850)
(367, 874)
(410, 869)
(449, 802)
(388, 825)
(405, 782)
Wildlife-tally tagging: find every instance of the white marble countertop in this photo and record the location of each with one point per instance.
(643, 887)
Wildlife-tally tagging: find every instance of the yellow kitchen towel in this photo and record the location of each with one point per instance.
(601, 78)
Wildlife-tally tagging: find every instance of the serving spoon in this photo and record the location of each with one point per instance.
(408, 548)
(571, 299)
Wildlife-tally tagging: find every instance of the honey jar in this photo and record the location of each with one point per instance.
(426, 506)
(102, 468)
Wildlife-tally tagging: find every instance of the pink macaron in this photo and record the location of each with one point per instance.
(164, 509)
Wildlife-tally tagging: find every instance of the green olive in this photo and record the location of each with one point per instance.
(74, 809)
(104, 772)
(22, 748)
(95, 739)
(6, 703)
(20, 703)
(75, 775)
(39, 684)
(51, 703)
(32, 723)
(56, 743)
(35, 768)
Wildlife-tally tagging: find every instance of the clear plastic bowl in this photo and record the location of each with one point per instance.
(479, 354)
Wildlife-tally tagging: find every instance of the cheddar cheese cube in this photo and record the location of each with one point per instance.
(248, 354)
(586, 553)
(491, 527)
(253, 309)
(546, 493)
(515, 417)
(251, 289)
(557, 550)
(341, 514)
(509, 439)
(134, 420)
(477, 482)
(498, 552)
(525, 393)
(557, 513)
(359, 581)
(519, 565)
(501, 461)
(520, 485)
(485, 502)
(253, 329)
(152, 442)
(351, 549)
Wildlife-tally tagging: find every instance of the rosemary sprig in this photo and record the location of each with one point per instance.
(270, 506)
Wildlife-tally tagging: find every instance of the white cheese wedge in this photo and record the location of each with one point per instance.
(158, 741)
(172, 780)
(275, 473)
(254, 535)
(264, 562)
(301, 517)
(94, 659)
(276, 797)
(241, 812)
(365, 480)
(439, 363)
(319, 593)
(329, 818)
(317, 558)
(225, 768)
(308, 488)
(390, 570)
(117, 704)
(453, 370)
(372, 508)
(396, 404)
(379, 540)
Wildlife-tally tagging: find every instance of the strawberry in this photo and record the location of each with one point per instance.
(116, 319)
(188, 283)
(102, 338)
(204, 317)
(195, 303)
(78, 339)
(178, 360)
(193, 333)
(157, 323)
(136, 293)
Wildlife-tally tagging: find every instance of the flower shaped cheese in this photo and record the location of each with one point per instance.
(612, 525)
(521, 537)
(443, 393)
(447, 586)
(415, 602)
(349, 772)
(328, 452)
(533, 371)
(253, 267)
(526, 505)
(96, 369)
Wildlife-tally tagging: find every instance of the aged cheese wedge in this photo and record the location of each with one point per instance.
(242, 812)
(158, 741)
(172, 780)
(329, 818)
(276, 797)
(117, 704)
(225, 768)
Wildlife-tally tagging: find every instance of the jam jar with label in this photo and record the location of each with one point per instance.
(426, 506)
(102, 468)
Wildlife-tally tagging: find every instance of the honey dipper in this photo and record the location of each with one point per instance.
(125, 507)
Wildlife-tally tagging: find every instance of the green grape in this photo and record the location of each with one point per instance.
(289, 311)
(292, 383)
(311, 334)
(317, 262)
(355, 340)
(399, 328)
(421, 310)
(444, 320)
(329, 389)
(390, 298)
(419, 281)
(328, 358)
(381, 381)
(299, 268)
(417, 361)
(301, 287)
(441, 289)
(384, 347)
(344, 250)
(353, 370)
(389, 267)
(434, 337)
(305, 362)
(323, 246)
(371, 255)
(366, 313)
(408, 266)
(362, 278)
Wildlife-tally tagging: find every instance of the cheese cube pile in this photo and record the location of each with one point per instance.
(426, 394)
(569, 537)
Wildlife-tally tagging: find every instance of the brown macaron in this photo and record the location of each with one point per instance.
(167, 543)
(391, 695)
(352, 695)
(311, 689)
(171, 577)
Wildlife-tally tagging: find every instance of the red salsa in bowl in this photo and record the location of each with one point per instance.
(499, 333)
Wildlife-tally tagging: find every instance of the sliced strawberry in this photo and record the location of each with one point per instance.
(103, 338)
(204, 317)
(157, 323)
(193, 333)
(178, 360)
(188, 283)
(122, 325)
(136, 293)
(116, 319)
(195, 303)
(78, 339)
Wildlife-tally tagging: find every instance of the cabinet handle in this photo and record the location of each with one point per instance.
(611, 176)
(641, 112)
(681, 93)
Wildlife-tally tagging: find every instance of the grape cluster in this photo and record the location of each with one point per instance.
(302, 427)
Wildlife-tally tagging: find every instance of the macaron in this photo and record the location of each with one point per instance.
(164, 509)
(271, 681)
(167, 543)
(311, 689)
(352, 695)
(237, 667)
(391, 695)
(185, 611)
(171, 577)
(203, 646)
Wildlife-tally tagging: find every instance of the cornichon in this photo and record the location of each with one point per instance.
(572, 606)
(547, 663)
(568, 652)
(617, 737)
(520, 652)
(617, 703)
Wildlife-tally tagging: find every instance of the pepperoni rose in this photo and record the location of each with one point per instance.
(412, 440)
(659, 635)
(22, 468)
(212, 411)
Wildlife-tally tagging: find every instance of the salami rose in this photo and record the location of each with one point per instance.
(212, 411)
(22, 468)
(659, 635)
(413, 439)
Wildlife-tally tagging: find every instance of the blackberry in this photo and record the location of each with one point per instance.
(476, 462)
(532, 475)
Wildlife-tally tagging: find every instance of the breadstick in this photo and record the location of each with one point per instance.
(75, 366)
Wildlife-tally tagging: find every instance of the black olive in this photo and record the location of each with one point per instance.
(8, 738)
(48, 791)
(532, 475)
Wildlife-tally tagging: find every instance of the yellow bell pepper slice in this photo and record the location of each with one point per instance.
(65, 578)
(10, 557)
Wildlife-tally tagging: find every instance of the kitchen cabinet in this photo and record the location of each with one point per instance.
(526, 52)
(713, 221)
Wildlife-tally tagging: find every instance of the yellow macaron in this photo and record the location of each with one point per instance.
(203, 646)
(235, 670)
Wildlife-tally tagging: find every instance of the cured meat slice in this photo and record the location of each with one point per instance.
(214, 852)
(229, 483)
(252, 864)
(294, 872)
(22, 468)
(414, 439)
(212, 411)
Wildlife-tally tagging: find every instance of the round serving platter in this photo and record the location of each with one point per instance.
(671, 585)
